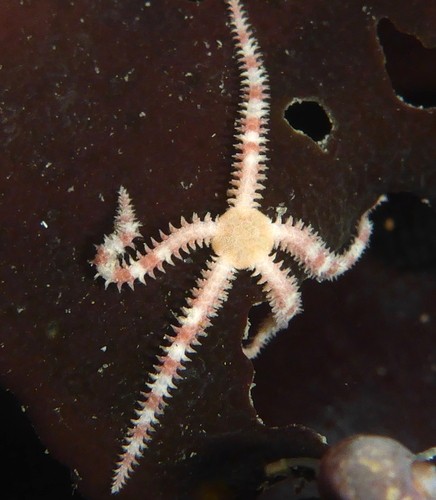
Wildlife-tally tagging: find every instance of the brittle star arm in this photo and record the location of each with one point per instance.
(284, 298)
(250, 160)
(208, 297)
(114, 268)
(306, 246)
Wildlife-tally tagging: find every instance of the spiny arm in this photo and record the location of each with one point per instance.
(305, 245)
(208, 297)
(252, 126)
(113, 267)
(283, 297)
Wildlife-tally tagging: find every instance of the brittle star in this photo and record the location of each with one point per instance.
(243, 238)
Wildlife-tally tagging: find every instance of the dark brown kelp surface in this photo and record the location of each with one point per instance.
(98, 94)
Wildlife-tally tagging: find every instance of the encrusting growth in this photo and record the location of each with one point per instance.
(241, 238)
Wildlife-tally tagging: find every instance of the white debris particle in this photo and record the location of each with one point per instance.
(424, 318)
(127, 76)
(103, 367)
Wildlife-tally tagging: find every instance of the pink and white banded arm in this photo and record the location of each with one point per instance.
(208, 297)
(305, 245)
(114, 267)
(282, 292)
(252, 128)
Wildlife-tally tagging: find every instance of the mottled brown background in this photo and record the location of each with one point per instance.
(95, 94)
